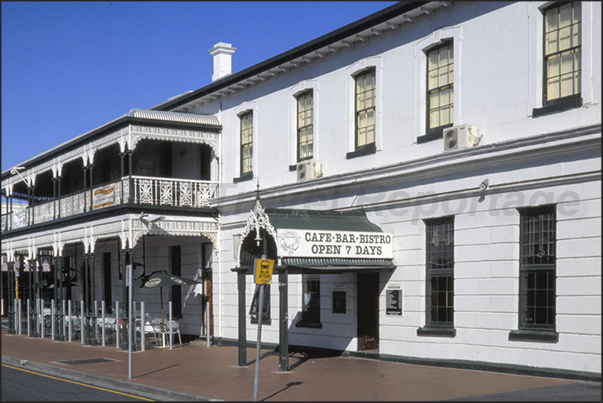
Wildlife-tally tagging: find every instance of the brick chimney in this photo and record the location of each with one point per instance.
(222, 60)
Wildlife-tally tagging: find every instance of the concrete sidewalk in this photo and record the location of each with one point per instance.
(197, 372)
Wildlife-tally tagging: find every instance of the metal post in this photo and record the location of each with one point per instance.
(142, 321)
(242, 325)
(20, 307)
(70, 319)
(94, 338)
(87, 296)
(52, 316)
(64, 322)
(170, 322)
(259, 342)
(82, 322)
(116, 324)
(207, 322)
(34, 292)
(29, 320)
(43, 322)
(11, 304)
(283, 321)
(60, 301)
(94, 335)
(129, 281)
(103, 321)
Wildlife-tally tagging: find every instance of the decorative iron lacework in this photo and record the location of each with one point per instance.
(259, 219)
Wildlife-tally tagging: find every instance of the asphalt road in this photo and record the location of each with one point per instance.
(26, 385)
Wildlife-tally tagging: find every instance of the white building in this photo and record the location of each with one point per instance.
(426, 179)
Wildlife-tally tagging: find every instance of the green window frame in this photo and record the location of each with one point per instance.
(439, 272)
(305, 126)
(440, 88)
(246, 143)
(310, 315)
(537, 305)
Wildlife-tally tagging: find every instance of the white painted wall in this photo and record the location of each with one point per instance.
(498, 75)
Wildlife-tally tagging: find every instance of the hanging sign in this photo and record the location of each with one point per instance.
(262, 271)
(341, 244)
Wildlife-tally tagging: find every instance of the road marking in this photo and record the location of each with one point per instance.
(77, 383)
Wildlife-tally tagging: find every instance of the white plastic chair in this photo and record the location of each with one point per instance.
(153, 325)
(175, 326)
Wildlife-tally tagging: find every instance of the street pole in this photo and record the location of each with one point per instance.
(129, 281)
(259, 342)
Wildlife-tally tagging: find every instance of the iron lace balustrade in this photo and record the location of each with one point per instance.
(146, 191)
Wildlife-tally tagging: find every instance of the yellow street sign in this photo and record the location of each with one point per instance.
(263, 271)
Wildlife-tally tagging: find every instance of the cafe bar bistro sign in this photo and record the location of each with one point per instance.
(338, 244)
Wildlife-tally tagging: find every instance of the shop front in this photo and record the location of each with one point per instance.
(316, 244)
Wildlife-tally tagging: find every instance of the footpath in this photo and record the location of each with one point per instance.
(193, 371)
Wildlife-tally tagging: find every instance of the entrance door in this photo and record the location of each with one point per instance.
(368, 310)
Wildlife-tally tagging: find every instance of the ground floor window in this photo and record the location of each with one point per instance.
(310, 316)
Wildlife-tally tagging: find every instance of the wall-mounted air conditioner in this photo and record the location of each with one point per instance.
(461, 136)
(309, 169)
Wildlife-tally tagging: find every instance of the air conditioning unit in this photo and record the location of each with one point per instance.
(309, 169)
(461, 136)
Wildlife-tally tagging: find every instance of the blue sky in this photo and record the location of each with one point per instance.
(70, 67)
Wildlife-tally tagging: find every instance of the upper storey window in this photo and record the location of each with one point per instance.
(562, 58)
(365, 108)
(440, 88)
(246, 143)
(305, 126)
(562, 52)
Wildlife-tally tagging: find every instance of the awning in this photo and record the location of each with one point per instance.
(313, 241)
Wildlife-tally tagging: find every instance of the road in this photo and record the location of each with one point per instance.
(25, 385)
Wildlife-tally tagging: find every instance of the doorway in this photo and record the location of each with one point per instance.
(368, 311)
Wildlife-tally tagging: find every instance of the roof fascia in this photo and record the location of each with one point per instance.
(309, 47)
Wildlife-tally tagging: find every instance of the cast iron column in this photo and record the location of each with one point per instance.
(86, 300)
(32, 298)
(59, 301)
(93, 335)
(283, 288)
(11, 297)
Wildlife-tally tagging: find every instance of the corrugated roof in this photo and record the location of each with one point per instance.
(174, 116)
(321, 220)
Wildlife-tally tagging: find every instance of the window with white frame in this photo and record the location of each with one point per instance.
(246, 143)
(562, 58)
(365, 92)
(562, 51)
(305, 126)
(440, 87)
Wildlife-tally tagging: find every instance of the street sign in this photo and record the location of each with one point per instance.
(263, 271)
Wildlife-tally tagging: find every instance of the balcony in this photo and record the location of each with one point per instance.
(146, 191)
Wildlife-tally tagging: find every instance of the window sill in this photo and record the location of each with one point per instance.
(571, 102)
(533, 335)
(243, 178)
(436, 331)
(362, 150)
(433, 134)
(310, 325)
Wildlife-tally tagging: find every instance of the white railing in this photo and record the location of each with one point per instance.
(173, 192)
(146, 191)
